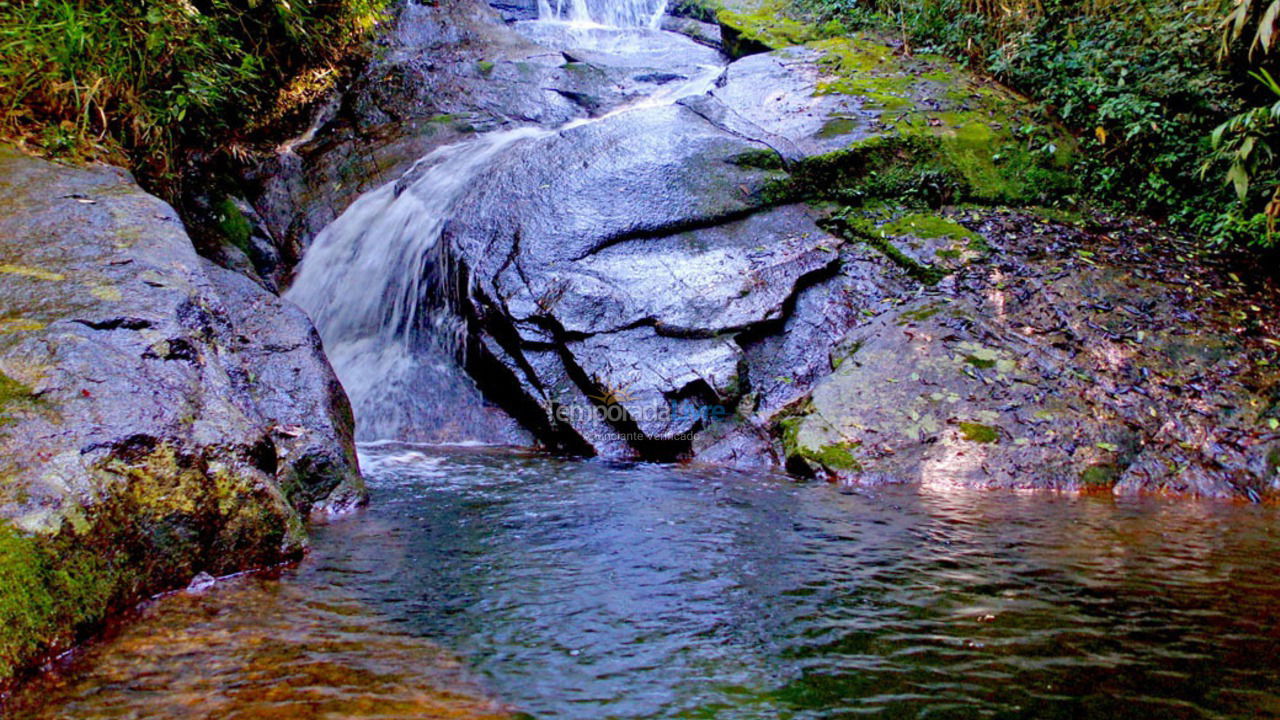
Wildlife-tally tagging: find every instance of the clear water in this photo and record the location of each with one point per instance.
(572, 589)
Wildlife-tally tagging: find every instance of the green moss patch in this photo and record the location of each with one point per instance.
(851, 226)
(980, 363)
(766, 27)
(49, 588)
(979, 433)
(762, 159)
(974, 123)
(925, 225)
(233, 225)
(896, 168)
(1103, 475)
(161, 518)
(920, 314)
(834, 457)
(13, 396)
(865, 66)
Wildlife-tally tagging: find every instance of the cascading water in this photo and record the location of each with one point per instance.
(364, 282)
(370, 279)
(614, 13)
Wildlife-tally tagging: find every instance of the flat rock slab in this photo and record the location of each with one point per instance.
(1054, 358)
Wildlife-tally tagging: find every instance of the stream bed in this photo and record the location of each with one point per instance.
(484, 583)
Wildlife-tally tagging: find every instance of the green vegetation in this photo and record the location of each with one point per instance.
(979, 433)
(1175, 118)
(63, 572)
(44, 594)
(834, 457)
(138, 82)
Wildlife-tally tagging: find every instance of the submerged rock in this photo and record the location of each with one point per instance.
(159, 417)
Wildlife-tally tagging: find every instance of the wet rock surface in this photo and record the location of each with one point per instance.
(1051, 357)
(445, 72)
(684, 280)
(715, 323)
(159, 416)
(639, 303)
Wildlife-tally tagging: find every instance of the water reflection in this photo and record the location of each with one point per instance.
(599, 590)
(595, 589)
(297, 647)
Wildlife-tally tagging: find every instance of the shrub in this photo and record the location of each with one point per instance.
(1142, 83)
(133, 81)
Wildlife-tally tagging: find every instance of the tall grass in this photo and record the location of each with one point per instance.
(135, 81)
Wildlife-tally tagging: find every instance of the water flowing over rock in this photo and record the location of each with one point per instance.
(371, 283)
(159, 416)
(670, 274)
(613, 13)
(446, 71)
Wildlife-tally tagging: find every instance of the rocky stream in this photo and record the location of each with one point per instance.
(696, 362)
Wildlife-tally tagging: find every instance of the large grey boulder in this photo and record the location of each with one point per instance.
(159, 416)
(445, 71)
(623, 266)
(647, 283)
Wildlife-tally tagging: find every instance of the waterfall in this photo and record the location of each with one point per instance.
(614, 13)
(371, 282)
(366, 283)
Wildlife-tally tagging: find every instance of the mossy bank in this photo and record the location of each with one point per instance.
(144, 437)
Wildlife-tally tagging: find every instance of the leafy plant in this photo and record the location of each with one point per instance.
(1142, 83)
(134, 80)
(1237, 19)
(1243, 141)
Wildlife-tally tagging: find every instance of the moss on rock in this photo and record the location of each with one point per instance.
(762, 159)
(1102, 475)
(233, 225)
(168, 516)
(13, 396)
(979, 433)
(951, 137)
(767, 26)
(852, 226)
(833, 457)
(930, 226)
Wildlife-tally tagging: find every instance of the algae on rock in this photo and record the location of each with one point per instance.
(138, 446)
